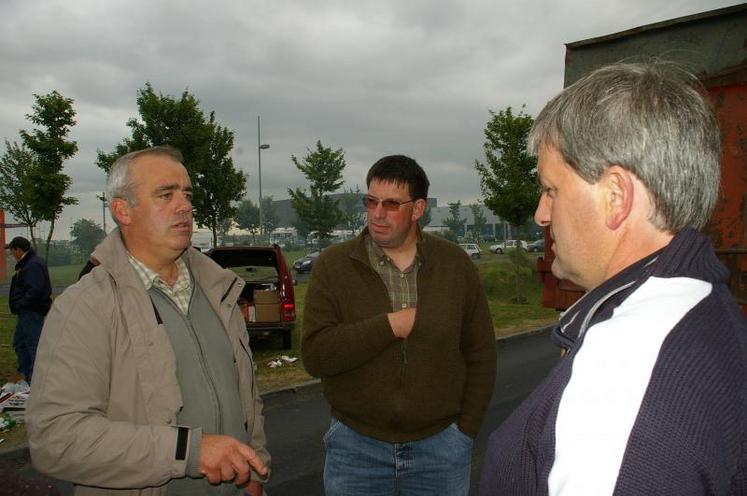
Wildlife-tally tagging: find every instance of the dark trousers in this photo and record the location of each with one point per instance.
(26, 340)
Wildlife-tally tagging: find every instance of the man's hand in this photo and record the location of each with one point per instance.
(402, 321)
(226, 459)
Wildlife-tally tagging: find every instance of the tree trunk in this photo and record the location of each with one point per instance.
(33, 238)
(49, 237)
(517, 269)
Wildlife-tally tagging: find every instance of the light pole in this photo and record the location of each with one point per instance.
(103, 209)
(260, 147)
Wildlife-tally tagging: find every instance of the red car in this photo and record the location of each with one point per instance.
(267, 301)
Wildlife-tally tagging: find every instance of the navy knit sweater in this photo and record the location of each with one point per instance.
(651, 397)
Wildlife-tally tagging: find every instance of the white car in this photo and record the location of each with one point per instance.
(472, 249)
(509, 244)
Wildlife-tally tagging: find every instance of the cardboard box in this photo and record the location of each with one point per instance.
(266, 297)
(267, 312)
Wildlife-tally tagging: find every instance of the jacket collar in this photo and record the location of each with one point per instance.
(25, 258)
(112, 255)
(360, 253)
(688, 254)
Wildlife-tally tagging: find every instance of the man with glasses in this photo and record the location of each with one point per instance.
(397, 326)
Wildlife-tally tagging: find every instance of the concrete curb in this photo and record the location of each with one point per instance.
(525, 333)
(20, 455)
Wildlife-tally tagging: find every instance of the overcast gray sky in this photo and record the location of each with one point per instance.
(374, 78)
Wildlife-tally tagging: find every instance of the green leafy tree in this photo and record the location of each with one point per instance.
(218, 182)
(85, 235)
(426, 218)
(247, 215)
(317, 210)
(205, 146)
(354, 216)
(224, 227)
(455, 222)
(55, 116)
(16, 186)
(478, 221)
(302, 228)
(269, 215)
(508, 178)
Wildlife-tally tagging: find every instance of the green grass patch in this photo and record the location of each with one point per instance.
(64, 275)
(497, 274)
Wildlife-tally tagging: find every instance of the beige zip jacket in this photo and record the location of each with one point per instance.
(104, 401)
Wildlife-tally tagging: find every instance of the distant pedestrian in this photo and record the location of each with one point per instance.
(30, 299)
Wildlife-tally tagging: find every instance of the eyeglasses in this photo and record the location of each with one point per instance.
(389, 205)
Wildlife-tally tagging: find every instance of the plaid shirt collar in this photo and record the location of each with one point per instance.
(378, 258)
(180, 292)
(376, 253)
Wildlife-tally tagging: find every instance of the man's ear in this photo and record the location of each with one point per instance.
(418, 209)
(619, 193)
(120, 211)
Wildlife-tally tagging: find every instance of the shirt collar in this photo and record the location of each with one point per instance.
(149, 277)
(377, 254)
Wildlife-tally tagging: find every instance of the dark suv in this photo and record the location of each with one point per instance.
(267, 301)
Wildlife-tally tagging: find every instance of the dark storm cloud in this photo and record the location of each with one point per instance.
(373, 78)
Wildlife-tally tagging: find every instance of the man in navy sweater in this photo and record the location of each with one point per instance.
(30, 298)
(650, 396)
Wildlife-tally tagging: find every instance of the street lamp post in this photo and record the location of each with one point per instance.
(103, 209)
(260, 147)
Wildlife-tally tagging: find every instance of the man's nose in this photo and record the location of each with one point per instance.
(379, 211)
(185, 204)
(542, 213)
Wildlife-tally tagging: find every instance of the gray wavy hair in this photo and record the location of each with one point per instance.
(649, 118)
(119, 183)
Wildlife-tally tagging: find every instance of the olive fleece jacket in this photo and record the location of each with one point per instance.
(387, 388)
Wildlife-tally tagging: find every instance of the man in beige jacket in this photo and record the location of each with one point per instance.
(145, 380)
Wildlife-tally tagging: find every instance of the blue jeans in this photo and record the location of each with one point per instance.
(26, 340)
(356, 465)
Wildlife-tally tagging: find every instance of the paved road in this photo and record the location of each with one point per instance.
(296, 420)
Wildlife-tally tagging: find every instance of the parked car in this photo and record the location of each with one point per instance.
(472, 249)
(267, 300)
(305, 264)
(536, 246)
(509, 244)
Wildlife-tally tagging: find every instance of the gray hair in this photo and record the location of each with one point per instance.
(119, 183)
(651, 119)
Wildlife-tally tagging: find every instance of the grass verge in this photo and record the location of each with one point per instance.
(496, 271)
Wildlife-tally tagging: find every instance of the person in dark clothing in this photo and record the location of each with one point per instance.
(407, 368)
(30, 299)
(651, 394)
